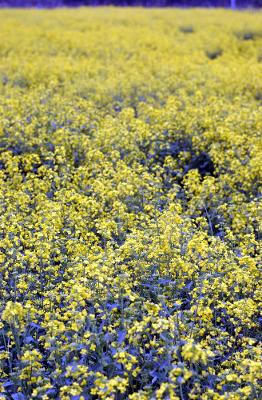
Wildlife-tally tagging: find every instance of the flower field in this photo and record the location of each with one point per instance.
(130, 209)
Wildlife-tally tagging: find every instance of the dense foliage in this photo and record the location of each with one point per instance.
(130, 167)
(145, 3)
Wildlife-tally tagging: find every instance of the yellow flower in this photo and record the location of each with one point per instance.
(13, 313)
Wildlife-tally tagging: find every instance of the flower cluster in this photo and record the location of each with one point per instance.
(130, 170)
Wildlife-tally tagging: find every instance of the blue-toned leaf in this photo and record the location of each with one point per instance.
(121, 336)
(18, 396)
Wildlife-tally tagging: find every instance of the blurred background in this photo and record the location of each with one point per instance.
(146, 3)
